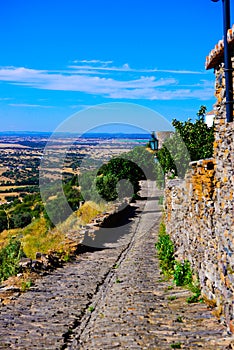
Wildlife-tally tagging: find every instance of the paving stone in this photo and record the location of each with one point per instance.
(131, 309)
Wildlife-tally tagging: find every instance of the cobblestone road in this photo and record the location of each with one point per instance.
(111, 298)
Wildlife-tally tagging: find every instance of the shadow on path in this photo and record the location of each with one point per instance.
(112, 230)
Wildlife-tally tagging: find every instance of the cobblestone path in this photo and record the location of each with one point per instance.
(111, 298)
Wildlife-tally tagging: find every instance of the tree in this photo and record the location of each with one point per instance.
(191, 142)
(115, 170)
(87, 182)
(20, 220)
(72, 193)
(106, 186)
(56, 211)
(37, 210)
(144, 160)
(119, 178)
(202, 112)
(3, 220)
(198, 137)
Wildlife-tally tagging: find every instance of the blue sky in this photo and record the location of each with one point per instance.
(59, 57)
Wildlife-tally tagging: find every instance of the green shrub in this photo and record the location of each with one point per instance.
(20, 219)
(182, 273)
(9, 259)
(195, 289)
(165, 250)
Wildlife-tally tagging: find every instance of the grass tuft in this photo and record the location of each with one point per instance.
(180, 271)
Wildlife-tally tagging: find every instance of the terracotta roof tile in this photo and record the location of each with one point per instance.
(216, 55)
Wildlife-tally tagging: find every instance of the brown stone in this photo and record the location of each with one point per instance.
(231, 326)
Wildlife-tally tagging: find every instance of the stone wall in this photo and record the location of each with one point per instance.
(200, 214)
(162, 136)
(199, 220)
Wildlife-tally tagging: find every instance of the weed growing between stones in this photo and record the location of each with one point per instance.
(161, 200)
(176, 346)
(180, 271)
(165, 250)
(179, 319)
(25, 285)
(170, 287)
(66, 257)
(118, 280)
(91, 308)
(196, 297)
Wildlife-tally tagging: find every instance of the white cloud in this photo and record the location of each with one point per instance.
(57, 81)
(126, 67)
(28, 105)
(104, 66)
(142, 86)
(151, 94)
(93, 62)
(6, 98)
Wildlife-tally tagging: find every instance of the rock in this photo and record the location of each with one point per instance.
(25, 263)
(38, 255)
(37, 265)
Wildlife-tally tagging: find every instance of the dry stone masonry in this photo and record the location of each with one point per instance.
(200, 209)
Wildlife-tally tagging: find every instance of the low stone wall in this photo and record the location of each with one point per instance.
(199, 218)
